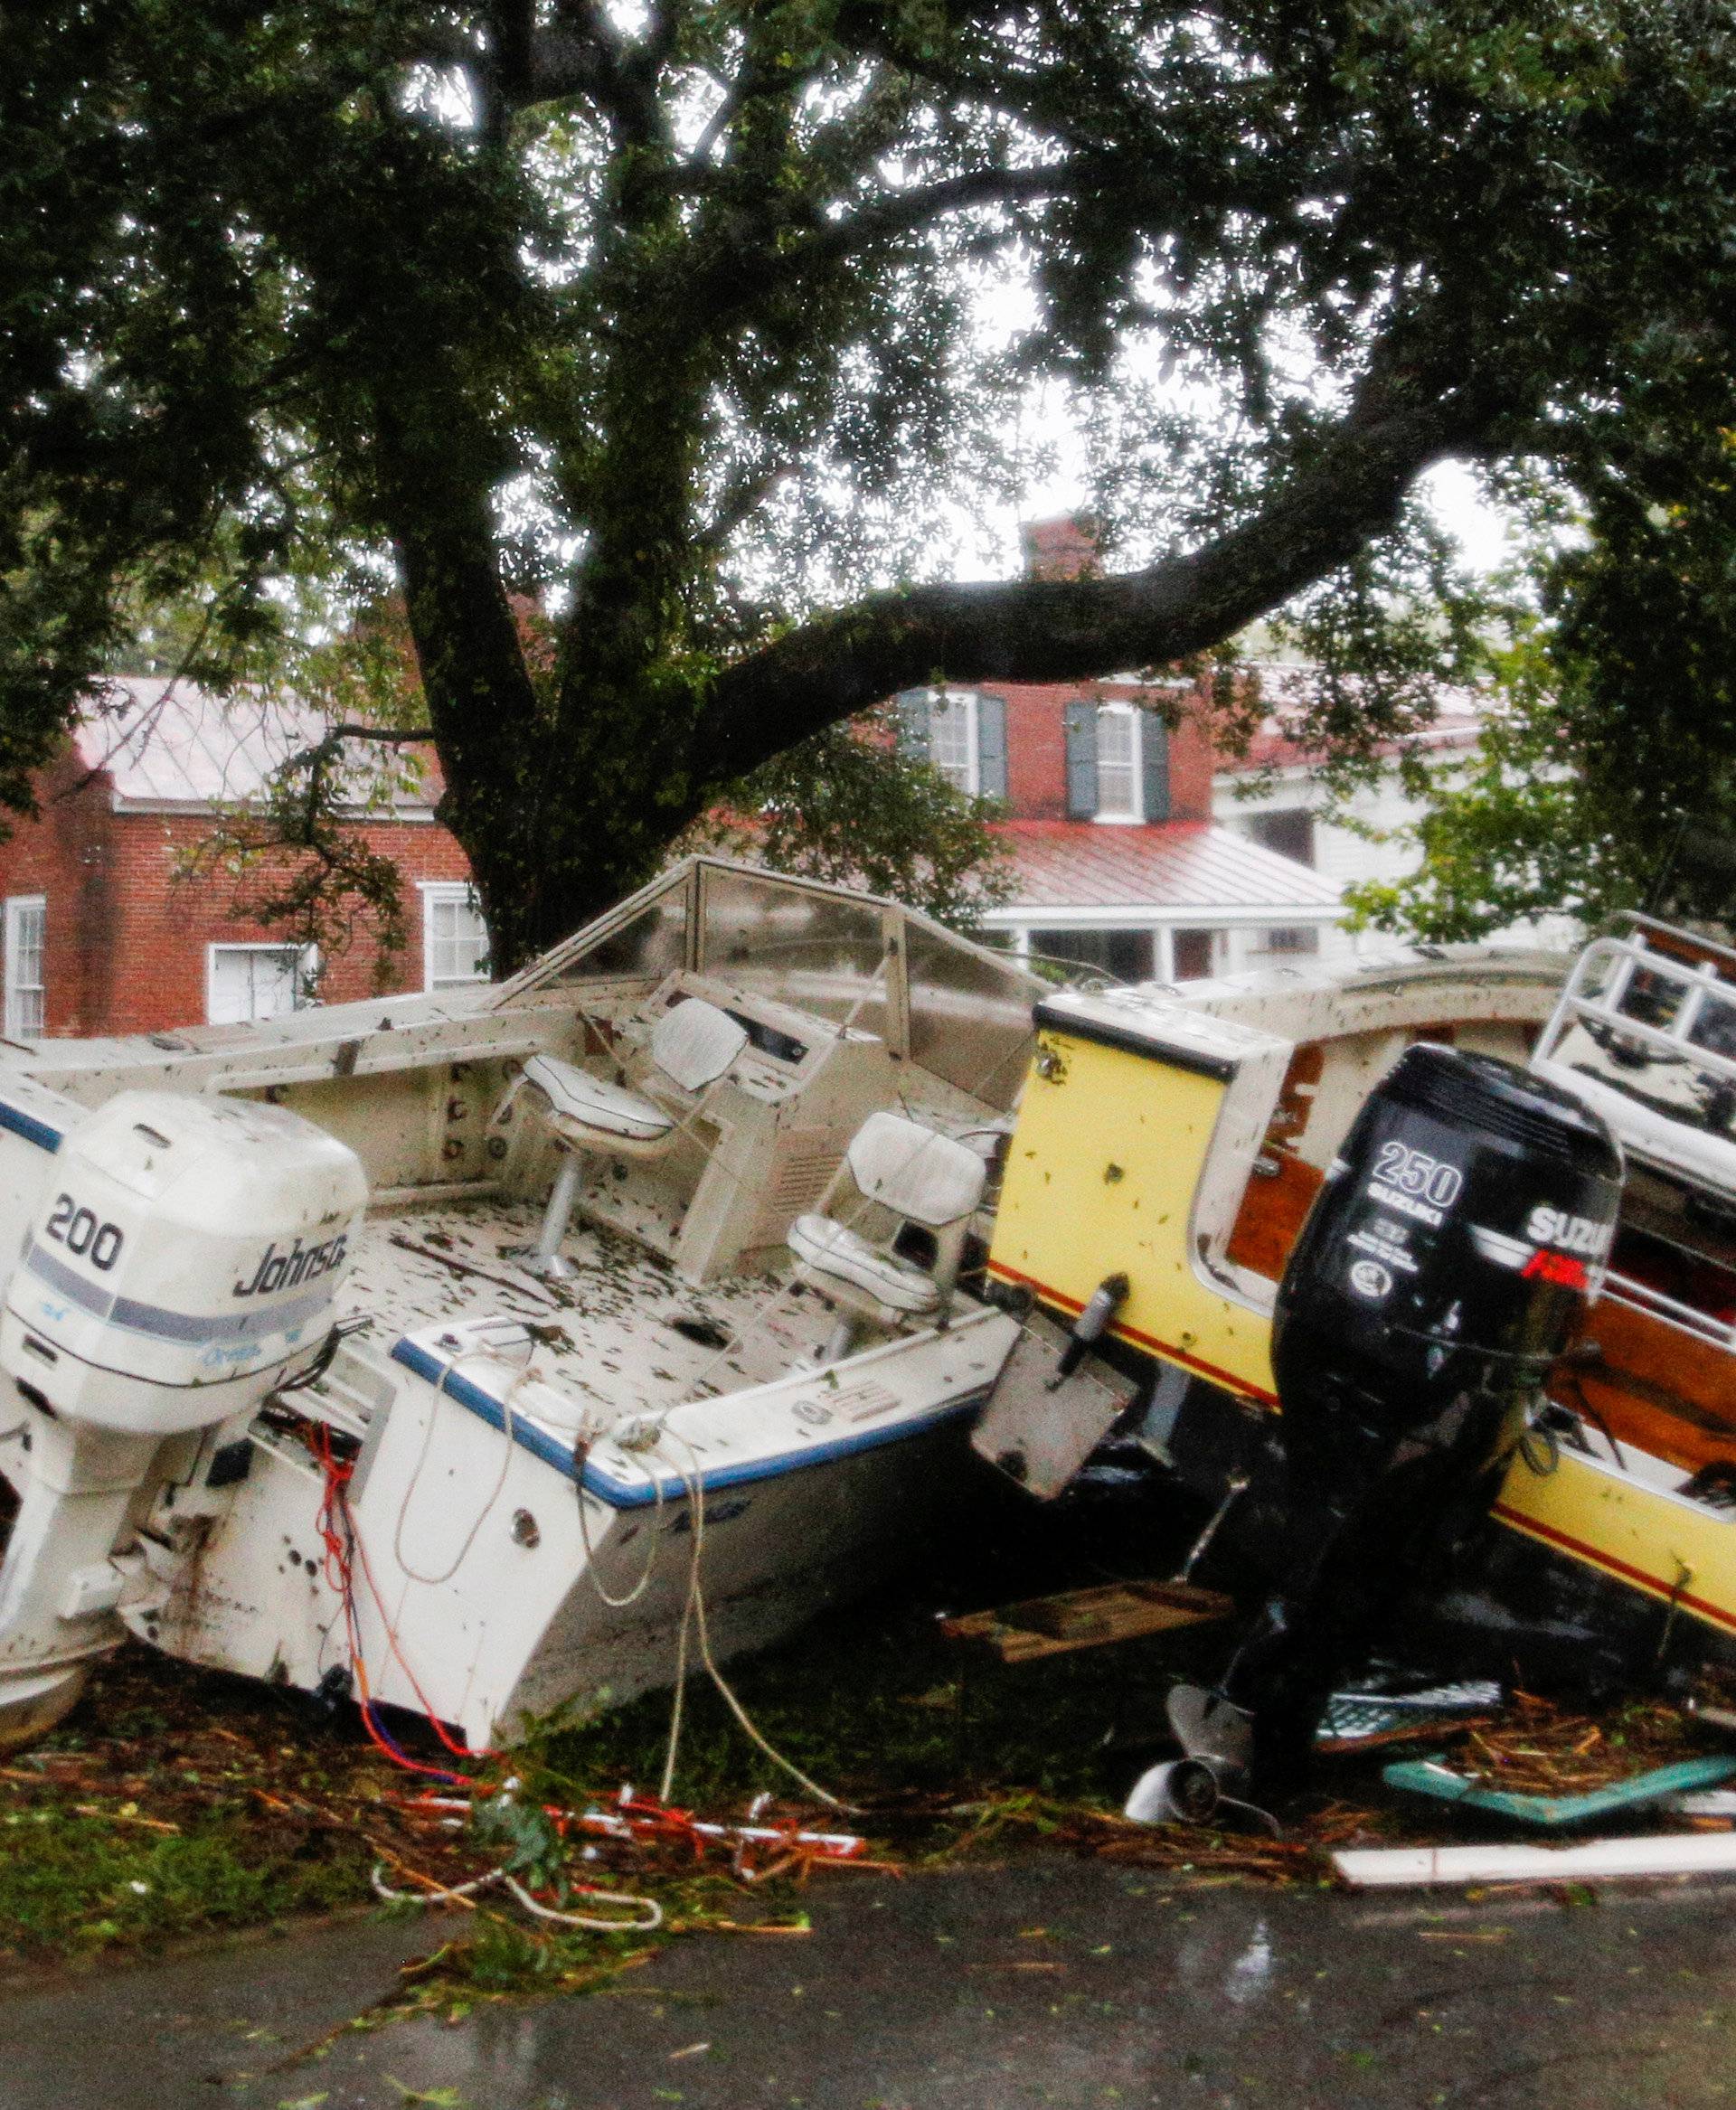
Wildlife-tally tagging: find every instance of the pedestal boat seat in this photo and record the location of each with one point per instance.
(915, 1177)
(694, 1045)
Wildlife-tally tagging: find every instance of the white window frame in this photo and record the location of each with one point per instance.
(1136, 743)
(964, 701)
(18, 1027)
(306, 968)
(435, 892)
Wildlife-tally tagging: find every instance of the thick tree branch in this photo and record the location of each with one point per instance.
(580, 53)
(1073, 629)
(741, 265)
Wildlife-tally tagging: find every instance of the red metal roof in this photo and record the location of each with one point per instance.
(1173, 864)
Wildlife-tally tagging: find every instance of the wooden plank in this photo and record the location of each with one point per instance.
(1272, 1212)
(1036, 1627)
(1658, 1385)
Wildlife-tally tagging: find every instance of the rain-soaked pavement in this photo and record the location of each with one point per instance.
(1045, 1982)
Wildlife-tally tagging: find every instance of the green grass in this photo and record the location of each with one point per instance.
(71, 1882)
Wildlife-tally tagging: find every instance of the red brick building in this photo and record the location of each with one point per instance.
(102, 932)
(1119, 863)
(1118, 860)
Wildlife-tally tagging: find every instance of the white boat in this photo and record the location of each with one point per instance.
(403, 1349)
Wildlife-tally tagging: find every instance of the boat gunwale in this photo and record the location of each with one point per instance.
(581, 1467)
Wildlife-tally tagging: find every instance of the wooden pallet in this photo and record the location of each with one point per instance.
(1052, 1626)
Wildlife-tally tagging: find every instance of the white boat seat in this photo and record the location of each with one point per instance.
(832, 1252)
(925, 1178)
(694, 1043)
(916, 1176)
(583, 1109)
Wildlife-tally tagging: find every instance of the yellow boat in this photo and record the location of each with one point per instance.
(1178, 1136)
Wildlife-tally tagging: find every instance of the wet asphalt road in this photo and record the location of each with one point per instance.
(1042, 1983)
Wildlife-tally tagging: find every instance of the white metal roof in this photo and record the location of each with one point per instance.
(169, 745)
(1195, 866)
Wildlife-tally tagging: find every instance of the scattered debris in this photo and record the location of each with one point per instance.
(1428, 1777)
(1358, 1721)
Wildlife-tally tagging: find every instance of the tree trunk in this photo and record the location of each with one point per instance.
(555, 842)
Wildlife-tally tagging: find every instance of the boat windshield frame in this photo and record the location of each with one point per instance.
(942, 1001)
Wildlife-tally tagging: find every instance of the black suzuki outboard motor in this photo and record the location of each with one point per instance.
(1444, 1266)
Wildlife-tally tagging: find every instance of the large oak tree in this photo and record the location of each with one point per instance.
(677, 311)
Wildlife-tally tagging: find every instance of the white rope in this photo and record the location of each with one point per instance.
(690, 1474)
(495, 1494)
(649, 1910)
(649, 1919)
(654, 1541)
(697, 1507)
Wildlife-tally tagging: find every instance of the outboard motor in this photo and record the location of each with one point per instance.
(184, 1264)
(1445, 1265)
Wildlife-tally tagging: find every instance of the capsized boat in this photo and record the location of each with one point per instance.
(406, 1349)
(1173, 1141)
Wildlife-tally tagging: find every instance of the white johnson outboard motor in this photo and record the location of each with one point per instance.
(1444, 1267)
(184, 1264)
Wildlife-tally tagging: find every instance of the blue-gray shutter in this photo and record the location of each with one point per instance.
(913, 723)
(1154, 755)
(991, 746)
(1080, 721)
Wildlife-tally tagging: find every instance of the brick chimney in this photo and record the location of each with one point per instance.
(1062, 548)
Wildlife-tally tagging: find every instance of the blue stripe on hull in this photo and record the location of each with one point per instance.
(635, 1495)
(29, 1128)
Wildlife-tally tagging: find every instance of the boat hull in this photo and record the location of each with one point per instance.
(496, 1569)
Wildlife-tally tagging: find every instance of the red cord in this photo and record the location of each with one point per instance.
(339, 1541)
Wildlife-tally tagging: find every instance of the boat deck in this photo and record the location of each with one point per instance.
(612, 1338)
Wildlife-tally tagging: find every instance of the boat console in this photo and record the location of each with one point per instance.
(752, 1150)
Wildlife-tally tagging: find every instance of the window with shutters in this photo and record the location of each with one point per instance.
(1118, 763)
(455, 939)
(26, 989)
(953, 741)
(960, 732)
